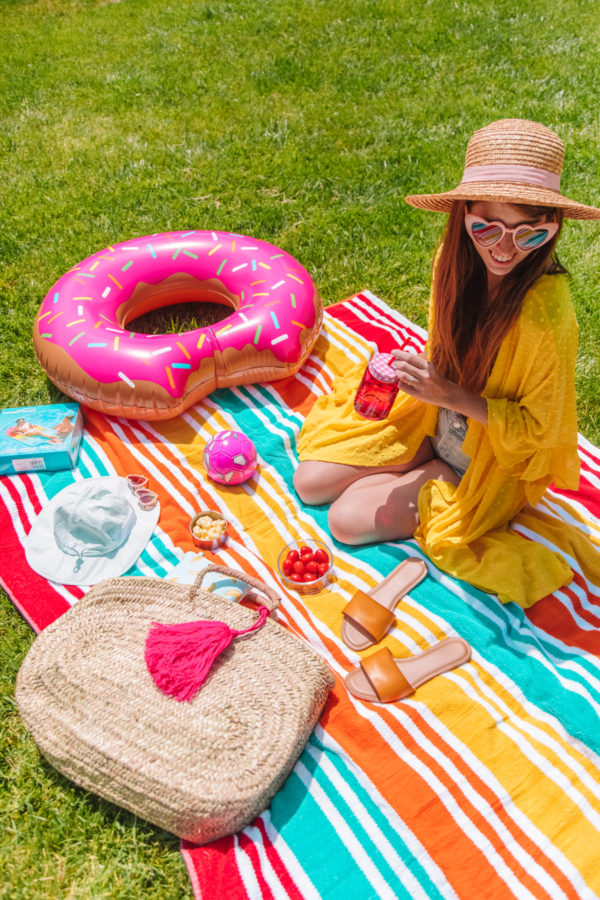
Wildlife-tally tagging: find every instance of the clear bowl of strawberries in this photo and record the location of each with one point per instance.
(305, 566)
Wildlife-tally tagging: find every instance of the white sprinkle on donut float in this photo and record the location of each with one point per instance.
(81, 339)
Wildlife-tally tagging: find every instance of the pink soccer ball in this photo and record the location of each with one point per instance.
(230, 457)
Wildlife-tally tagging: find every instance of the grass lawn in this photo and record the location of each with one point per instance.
(302, 122)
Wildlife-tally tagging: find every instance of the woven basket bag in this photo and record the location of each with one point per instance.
(201, 769)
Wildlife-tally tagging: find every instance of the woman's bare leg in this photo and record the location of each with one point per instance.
(383, 507)
(318, 482)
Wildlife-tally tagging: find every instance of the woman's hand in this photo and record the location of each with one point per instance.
(420, 378)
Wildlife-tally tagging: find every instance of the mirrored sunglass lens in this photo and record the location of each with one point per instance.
(485, 234)
(530, 238)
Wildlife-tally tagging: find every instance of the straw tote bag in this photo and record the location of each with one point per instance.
(203, 768)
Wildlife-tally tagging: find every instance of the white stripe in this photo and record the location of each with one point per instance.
(268, 424)
(365, 312)
(513, 724)
(338, 335)
(267, 870)
(588, 462)
(508, 629)
(31, 515)
(594, 480)
(572, 562)
(590, 449)
(26, 503)
(345, 833)
(387, 850)
(586, 603)
(295, 868)
(406, 323)
(246, 870)
(153, 450)
(318, 375)
(566, 512)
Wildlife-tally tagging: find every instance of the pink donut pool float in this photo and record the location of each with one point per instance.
(81, 338)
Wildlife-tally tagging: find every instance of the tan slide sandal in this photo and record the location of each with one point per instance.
(382, 679)
(368, 617)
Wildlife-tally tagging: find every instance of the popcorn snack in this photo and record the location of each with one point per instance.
(208, 529)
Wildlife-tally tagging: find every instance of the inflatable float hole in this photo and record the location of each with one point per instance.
(176, 304)
(179, 317)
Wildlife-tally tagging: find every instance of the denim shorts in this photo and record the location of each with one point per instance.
(449, 436)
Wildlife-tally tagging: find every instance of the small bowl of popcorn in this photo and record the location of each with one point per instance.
(208, 529)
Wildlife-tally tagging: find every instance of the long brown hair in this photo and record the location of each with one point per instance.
(467, 328)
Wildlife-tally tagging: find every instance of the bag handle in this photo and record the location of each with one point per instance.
(272, 596)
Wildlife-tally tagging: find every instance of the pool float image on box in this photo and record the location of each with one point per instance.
(81, 338)
(39, 438)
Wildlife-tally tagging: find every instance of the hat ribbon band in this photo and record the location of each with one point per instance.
(512, 174)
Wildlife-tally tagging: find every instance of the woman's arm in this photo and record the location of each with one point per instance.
(420, 378)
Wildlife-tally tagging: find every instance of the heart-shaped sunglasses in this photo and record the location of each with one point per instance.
(525, 237)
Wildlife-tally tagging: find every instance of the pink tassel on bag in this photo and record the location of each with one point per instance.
(179, 657)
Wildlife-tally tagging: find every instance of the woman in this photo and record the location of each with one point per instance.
(486, 417)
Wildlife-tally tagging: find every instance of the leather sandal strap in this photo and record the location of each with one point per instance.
(369, 614)
(388, 681)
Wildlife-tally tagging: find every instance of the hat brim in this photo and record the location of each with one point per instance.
(503, 192)
(47, 559)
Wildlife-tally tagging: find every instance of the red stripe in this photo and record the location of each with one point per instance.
(378, 332)
(248, 847)
(587, 495)
(35, 598)
(213, 870)
(291, 890)
(552, 615)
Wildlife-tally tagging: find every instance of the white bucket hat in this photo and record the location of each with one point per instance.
(90, 530)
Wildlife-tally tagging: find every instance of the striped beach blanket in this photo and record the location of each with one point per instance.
(483, 784)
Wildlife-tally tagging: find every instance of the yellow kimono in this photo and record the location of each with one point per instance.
(529, 443)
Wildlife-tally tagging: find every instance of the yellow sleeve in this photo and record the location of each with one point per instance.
(532, 415)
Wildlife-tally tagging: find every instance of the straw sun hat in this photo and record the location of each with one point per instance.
(511, 161)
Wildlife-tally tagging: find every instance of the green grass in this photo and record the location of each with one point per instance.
(302, 122)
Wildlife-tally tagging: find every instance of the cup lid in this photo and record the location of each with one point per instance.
(380, 367)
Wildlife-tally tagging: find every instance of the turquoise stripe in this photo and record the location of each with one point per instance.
(280, 420)
(320, 850)
(88, 447)
(169, 559)
(363, 829)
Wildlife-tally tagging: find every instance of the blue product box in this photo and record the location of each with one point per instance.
(40, 438)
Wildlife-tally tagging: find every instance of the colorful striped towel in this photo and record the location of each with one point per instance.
(486, 782)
